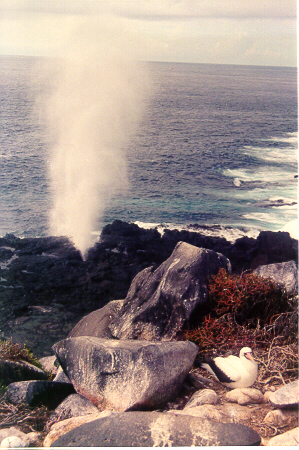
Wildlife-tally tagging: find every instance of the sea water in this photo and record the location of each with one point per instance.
(217, 147)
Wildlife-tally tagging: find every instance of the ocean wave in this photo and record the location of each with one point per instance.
(231, 234)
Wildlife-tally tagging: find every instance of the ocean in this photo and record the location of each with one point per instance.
(216, 151)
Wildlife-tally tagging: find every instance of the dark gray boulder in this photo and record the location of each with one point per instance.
(125, 375)
(33, 393)
(161, 301)
(96, 323)
(285, 274)
(11, 371)
(156, 429)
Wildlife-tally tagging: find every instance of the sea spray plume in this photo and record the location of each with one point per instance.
(93, 108)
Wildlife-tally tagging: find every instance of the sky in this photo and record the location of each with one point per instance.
(254, 32)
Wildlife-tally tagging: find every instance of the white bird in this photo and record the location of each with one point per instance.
(232, 371)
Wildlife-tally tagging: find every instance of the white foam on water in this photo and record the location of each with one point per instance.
(292, 228)
(231, 234)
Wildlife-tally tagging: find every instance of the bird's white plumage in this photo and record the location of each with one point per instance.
(242, 371)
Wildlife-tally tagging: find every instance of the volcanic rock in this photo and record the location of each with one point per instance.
(73, 406)
(11, 371)
(33, 393)
(161, 301)
(96, 323)
(60, 428)
(125, 375)
(155, 429)
(285, 274)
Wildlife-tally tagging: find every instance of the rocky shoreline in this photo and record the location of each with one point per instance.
(45, 285)
(125, 376)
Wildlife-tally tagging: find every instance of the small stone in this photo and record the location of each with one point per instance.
(245, 396)
(291, 437)
(286, 396)
(13, 442)
(15, 432)
(235, 413)
(275, 417)
(34, 437)
(206, 396)
(48, 364)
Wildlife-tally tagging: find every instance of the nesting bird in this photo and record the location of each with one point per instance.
(233, 371)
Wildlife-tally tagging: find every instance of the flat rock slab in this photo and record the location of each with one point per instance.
(154, 429)
(127, 374)
(286, 396)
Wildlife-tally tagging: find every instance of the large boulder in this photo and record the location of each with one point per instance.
(285, 274)
(96, 323)
(125, 375)
(161, 301)
(156, 429)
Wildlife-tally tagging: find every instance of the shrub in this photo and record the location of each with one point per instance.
(248, 296)
(14, 352)
(243, 310)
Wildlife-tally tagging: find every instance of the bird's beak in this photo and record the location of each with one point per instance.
(249, 356)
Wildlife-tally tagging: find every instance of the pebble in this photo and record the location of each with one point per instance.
(7, 433)
(13, 442)
(235, 413)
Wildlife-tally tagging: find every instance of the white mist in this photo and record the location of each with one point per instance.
(95, 101)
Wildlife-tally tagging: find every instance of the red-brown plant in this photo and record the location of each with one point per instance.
(243, 310)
